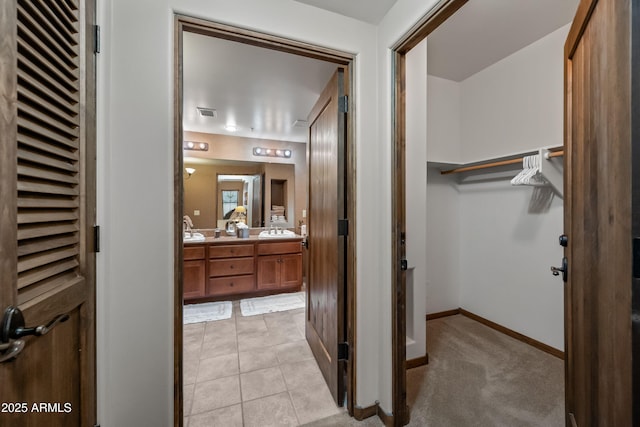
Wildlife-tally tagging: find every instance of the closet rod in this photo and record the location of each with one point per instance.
(495, 164)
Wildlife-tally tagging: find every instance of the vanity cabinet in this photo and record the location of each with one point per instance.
(244, 268)
(231, 269)
(194, 271)
(279, 265)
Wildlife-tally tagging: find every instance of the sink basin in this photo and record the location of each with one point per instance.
(196, 237)
(285, 234)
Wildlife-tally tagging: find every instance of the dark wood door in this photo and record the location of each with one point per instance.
(598, 215)
(47, 186)
(325, 316)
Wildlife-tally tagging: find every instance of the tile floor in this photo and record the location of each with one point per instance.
(252, 371)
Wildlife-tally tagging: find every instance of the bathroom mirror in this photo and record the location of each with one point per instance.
(266, 190)
(241, 190)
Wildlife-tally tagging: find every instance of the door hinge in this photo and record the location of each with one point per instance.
(343, 104)
(404, 265)
(96, 238)
(636, 258)
(96, 39)
(343, 351)
(343, 227)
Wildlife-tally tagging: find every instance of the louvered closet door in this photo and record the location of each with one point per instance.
(47, 185)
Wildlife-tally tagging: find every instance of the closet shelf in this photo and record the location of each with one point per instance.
(500, 161)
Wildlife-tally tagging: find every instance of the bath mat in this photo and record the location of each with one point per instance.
(272, 303)
(206, 312)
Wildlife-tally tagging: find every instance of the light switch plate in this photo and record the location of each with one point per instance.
(196, 212)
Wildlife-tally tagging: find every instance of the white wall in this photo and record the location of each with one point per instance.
(515, 104)
(444, 112)
(505, 257)
(512, 106)
(135, 267)
(498, 267)
(443, 264)
(415, 200)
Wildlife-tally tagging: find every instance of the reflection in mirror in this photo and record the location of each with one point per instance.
(241, 190)
(265, 193)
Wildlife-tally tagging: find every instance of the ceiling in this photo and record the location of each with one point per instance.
(371, 11)
(483, 32)
(263, 92)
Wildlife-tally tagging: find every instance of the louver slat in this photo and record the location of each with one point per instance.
(36, 172)
(49, 126)
(48, 146)
(45, 258)
(66, 15)
(44, 19)
(29, 156)
(45, 231)
(31, 74)
(46, 202)
(51, 243)
(34, 46)
(43, 102)
(43, 273)
(48, 38)
(26, 140)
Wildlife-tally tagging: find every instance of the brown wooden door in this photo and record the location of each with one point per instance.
(325, 315)
(598, 220)
(47, 186)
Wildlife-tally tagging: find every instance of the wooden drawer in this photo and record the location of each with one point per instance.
(279, 248)
(230, 267)
(230, 251)
(193, 252)
(230, 285)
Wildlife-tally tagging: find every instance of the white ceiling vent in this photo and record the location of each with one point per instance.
(207, 112)
(300, 123)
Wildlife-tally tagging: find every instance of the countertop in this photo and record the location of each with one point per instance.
(251, 239)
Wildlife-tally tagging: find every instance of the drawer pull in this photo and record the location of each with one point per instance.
(231, 284)
(231, 266)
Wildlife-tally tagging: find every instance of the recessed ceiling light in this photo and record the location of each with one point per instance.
(207, 112)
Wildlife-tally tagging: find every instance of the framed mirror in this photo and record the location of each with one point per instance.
(266, 190)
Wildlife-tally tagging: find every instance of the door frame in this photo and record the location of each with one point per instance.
(436, 16)
(183, 23)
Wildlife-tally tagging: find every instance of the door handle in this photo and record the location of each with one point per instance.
(564, 270)
(13, 326)
(10, 350)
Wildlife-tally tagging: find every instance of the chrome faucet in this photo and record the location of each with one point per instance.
(187, 225)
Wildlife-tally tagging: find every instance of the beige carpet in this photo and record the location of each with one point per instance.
(479, 377)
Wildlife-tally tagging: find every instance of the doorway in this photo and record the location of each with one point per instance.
(288, 209)
(472, 195)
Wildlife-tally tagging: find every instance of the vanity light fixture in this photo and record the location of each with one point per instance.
(197, 146)
(231, 128)
(190, 171)
(270, 152)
